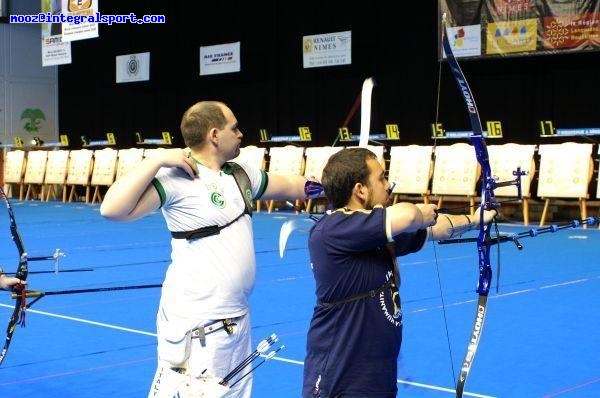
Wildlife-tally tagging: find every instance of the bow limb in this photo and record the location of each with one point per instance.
(21, 273)
(488, 202)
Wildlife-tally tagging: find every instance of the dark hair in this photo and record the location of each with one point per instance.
(199, 119)
(343, 170)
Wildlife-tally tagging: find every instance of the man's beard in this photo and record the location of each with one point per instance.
(369, 203)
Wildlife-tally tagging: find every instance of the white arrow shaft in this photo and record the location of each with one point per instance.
(365, 112)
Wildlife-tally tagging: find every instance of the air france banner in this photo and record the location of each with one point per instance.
(330, 49)
(55, 51)
(222, 58)
(72, 31)
(133, 67)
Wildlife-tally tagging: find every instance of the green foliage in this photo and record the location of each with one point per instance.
(34, 118)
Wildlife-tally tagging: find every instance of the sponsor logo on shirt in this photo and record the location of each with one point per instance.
(217, 199)
(387, 306)
(316, 391)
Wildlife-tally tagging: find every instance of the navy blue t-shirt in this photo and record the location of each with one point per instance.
(352, 348)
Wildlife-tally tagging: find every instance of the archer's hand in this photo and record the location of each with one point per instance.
(429, 214)
(7, 282)
(488, 216)
(177, 157)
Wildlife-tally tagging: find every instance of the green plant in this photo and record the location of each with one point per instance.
(34, 118)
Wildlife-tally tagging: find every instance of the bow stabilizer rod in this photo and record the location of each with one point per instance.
(531, 233)
(39, 294)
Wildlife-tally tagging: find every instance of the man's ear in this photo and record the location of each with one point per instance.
(212, 134)
(360, 191)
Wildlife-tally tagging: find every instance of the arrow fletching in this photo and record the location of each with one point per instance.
(286, 230)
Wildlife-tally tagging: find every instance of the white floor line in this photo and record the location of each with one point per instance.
(70, 318)
(502, 295)
(443, 389)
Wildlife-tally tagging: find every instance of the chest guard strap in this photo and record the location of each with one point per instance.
(370, 293)
(243, 183)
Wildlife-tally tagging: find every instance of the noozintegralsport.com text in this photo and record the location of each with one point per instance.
(46, 17)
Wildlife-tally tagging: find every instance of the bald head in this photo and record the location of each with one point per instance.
(199, 119)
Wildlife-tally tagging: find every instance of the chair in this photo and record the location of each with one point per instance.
(81, 163)
(35, 171)
(455, 173)
(253, 156)
(504, 159)
(14, 171)
(411, 168)
(56, 173)
(149, 152)
(288, 159)
(565, 172)
(104, 170)
(128, 159)
(316, 159)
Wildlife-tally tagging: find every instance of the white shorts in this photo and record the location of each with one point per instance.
(190, 369)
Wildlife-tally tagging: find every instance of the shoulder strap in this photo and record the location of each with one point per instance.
(243, 183)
